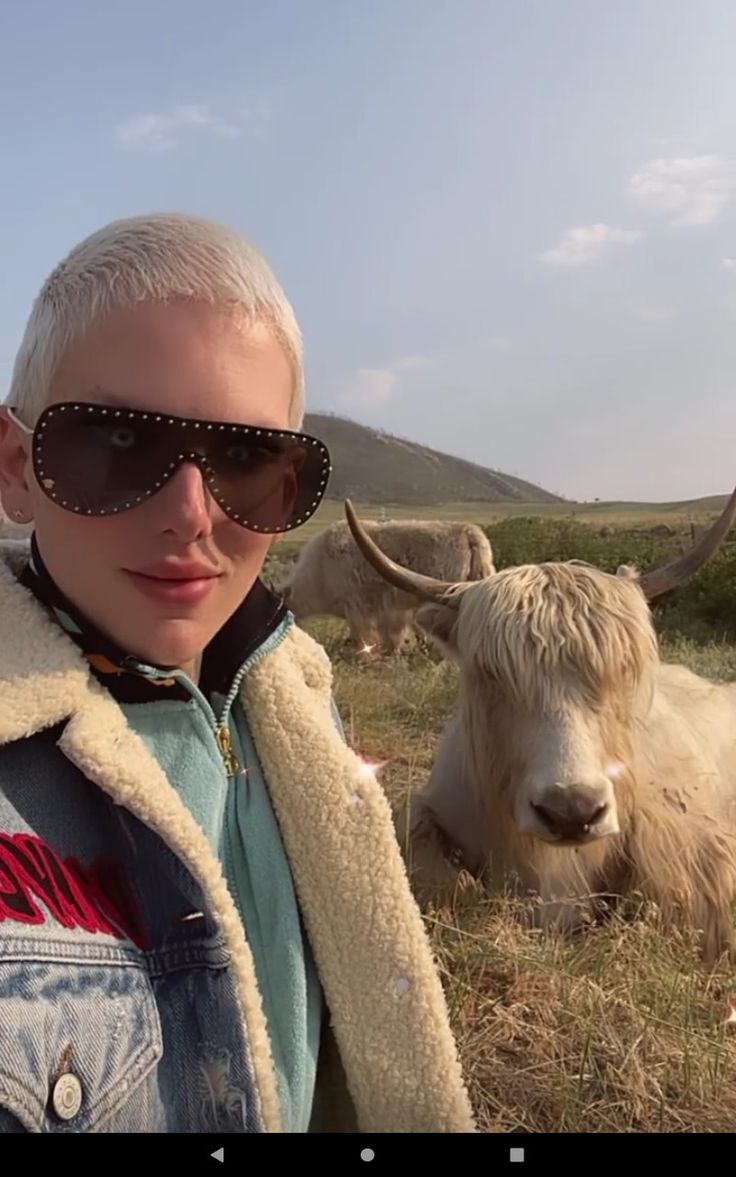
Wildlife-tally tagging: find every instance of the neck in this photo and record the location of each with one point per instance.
(192, 668)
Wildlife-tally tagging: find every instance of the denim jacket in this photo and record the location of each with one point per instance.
(129, 999)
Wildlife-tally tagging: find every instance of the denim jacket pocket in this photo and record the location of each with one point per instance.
(79, 1042)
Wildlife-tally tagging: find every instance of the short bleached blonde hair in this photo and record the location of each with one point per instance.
(160, 257)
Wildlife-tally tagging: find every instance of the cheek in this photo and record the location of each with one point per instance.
(71, 538)
(241, 546)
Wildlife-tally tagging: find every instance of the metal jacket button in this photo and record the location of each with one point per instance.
(66, 1096)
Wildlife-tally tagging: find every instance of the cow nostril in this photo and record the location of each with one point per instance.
(572, 820)
(548, 817)
(596, 815)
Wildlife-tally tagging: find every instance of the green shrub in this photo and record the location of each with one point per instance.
(703, 608)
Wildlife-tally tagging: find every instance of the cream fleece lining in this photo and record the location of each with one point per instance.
(372, 951)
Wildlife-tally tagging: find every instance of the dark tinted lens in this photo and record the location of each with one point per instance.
(97, 463)
(273, 483)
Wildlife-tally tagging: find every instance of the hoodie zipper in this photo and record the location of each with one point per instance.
(221, 727)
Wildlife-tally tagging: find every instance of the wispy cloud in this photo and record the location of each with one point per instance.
(728, 263)
(670, 141)
(164, 131)
(496, 343)
(646, 309)
(585, 243)
(368, 387)
(690, 190)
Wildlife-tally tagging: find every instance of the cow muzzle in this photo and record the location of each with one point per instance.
(572, 814)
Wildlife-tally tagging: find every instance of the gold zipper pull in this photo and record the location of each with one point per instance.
(225, 745)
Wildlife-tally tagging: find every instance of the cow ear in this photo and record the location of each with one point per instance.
(439, 622)
(627, 572)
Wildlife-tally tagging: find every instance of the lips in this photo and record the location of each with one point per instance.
(176, 572)
(181, 584)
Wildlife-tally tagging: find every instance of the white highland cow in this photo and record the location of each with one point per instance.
(577, 762)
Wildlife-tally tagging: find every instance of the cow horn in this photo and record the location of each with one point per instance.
(660, 580)
(415, 583)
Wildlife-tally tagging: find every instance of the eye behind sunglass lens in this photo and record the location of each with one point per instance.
(95, 460)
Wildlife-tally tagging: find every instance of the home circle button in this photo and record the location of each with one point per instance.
(66, 1096)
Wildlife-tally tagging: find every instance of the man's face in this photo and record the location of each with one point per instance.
(191, 361)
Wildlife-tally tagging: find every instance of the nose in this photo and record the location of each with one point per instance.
(185, 504)
(571, 813)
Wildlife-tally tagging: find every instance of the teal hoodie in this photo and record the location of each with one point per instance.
(234, 811)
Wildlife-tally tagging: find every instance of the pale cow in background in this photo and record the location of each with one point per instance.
(332, 578)
(577, 762)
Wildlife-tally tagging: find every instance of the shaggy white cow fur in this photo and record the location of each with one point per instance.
(577, 762)
(332, 578)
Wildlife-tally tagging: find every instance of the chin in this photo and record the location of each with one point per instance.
(174, 643)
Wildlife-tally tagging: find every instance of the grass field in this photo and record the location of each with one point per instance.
(620, 1031)
(618, 515)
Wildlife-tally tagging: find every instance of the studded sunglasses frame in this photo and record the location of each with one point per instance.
(125, 415)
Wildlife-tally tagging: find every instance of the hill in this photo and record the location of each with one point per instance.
(370, 466)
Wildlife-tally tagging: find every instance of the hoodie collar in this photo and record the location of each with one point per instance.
(126, 677)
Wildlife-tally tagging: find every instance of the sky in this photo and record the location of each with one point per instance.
(508, 227)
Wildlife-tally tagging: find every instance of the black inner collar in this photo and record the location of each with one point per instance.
(122, 674)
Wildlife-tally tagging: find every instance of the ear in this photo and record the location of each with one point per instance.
(15, 492)
(627, 572)
(439, 622)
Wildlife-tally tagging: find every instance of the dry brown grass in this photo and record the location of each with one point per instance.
(616, 1030)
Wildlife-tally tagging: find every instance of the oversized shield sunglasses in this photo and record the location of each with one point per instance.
(101, 460)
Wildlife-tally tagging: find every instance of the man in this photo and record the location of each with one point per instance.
(205, 924)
